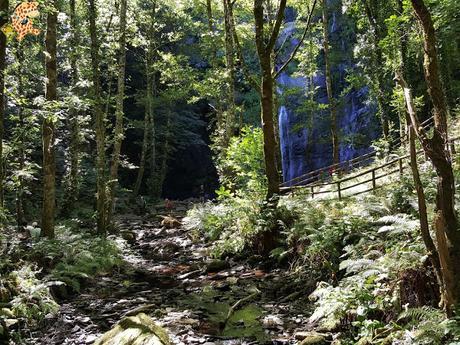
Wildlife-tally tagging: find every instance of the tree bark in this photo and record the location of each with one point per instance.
(446, 223)
(20, 128)
(149, 123)
(330, 92)
(264, 52)
(73, 187)
(48, 133)
(119, 114)
(99, 120)
(4, 10)
(377, 72)
(164, 158)
(230, 64)
(422, 208)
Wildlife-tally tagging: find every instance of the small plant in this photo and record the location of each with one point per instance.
(76, 257)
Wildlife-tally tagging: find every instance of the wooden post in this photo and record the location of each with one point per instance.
(312, 192)
(401, 168)
(374, 182)
(339, 191)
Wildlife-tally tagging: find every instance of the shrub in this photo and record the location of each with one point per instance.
(241, 167)
(76, 257)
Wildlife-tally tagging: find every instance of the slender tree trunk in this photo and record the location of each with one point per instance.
(164, 159)
(99, 120)
(21, 129)
(48, 134)
(330, 93)
(231, 74)
(152, 130)
(446, 223)
(422, 209)
(148, 142)
(148, 130)
(310, 121)
(377, 72)
(73, 189)
(4, 10)
(119, 114)
(264, 51)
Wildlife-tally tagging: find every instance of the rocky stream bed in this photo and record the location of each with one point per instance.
(169, 276)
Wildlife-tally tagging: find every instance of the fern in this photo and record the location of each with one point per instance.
(420, 314)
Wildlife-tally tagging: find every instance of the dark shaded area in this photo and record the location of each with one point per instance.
(191, 171)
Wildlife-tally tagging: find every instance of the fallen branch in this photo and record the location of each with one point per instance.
(239, 303)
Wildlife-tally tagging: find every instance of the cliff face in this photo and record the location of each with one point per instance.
(305, 135)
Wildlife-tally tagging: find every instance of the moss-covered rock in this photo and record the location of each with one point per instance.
(310, 338)
(135, 330)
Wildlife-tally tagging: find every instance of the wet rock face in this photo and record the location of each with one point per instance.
(305, 149)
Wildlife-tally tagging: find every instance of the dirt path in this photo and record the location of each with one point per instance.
(170, 278)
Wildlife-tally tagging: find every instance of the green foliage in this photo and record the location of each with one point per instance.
(241, 167)
(77, 257)
(231, 224)
(429, 326)
(28, 296)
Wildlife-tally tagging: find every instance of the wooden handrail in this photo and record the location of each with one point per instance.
(312, 175)
(339, 183)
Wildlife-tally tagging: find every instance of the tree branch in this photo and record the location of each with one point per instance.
(252, 81)
(418, 128)
(277, 27)
(302, 39)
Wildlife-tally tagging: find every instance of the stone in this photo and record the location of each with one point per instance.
(311, 338)
(216, 266)
(128, 236)
(7, 313)
(135, 330)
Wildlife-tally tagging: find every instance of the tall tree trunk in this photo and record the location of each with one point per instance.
(119, 114)
(164, 158)
(21, 129)
(330, 92)
(264, 52)
(73, 188)
(148, 142)
(99, 120)
(149, 131)
(310, 123)
(422, 208)
(48, 134)
(4, 10)
(230, 64)
(144, 151)
(152, 129)
(377, 72)
(446, 223)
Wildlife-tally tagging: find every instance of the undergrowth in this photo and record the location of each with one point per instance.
(374, 280)
(33, 274)
(76, 257)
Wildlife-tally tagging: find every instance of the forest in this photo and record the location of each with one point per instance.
(229, 172)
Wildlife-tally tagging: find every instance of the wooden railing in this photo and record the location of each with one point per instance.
(339, 186)
(344, 167)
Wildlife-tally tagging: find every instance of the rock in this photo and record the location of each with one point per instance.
(7, 313)
(128, 236)
(135, 330)
(272, 322)
(216, 266)
(170, 222)
(310, 338)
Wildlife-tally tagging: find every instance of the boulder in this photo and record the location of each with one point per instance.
(135, 330)
(311, 338)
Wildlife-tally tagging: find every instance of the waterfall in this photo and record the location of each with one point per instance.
(356, 114)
